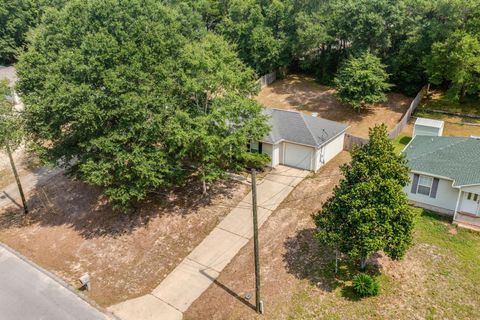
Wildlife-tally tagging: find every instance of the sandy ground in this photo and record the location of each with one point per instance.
(71, 231)
(302, 93)
(24, 163)
(280, 266)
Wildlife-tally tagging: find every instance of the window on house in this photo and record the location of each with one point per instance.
(472, 196)
(425, 185)
(254, 147)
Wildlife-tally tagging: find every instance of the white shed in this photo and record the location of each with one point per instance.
(428, 127)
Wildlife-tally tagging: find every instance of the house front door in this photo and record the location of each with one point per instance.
(471, 203)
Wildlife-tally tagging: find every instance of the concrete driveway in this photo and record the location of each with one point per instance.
(27, 293)
(203, 265)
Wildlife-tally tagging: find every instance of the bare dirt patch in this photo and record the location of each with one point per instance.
(71, 230)
(280, 237)
(302, 93)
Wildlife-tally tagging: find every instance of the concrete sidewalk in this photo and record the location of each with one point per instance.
(203, 265)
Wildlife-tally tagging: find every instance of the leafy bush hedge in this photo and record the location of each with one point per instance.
(364, 285)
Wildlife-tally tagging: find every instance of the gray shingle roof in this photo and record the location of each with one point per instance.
(300, 128)
(457, 158)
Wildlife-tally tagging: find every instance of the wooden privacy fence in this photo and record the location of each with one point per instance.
(403, 122)
(267, 79)
(351, 140)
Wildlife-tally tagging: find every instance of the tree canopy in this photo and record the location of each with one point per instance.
(369, 211)
(362, 81)
(309, 35)
(16, 18)
(457, 60)
(136, 113)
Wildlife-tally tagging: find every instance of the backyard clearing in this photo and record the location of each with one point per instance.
(303, 93)
(71, 230)
(438, 278)
(455, 125)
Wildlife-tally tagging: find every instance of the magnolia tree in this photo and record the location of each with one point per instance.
(369, 212)
(11, 133)
(138, 97)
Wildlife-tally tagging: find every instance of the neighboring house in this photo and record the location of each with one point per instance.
(445, 176)
(428, 127)
(299, 140)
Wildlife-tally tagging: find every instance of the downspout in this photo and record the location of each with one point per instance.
(456, 206)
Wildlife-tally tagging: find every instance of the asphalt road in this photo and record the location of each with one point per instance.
(27, 293)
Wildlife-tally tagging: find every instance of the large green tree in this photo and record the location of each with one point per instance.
(361, 81)
(369, 211)
(457, 61)
(135, 96)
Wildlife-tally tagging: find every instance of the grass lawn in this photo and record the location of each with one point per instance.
(438, 279)
(438, 101)
(401, 142)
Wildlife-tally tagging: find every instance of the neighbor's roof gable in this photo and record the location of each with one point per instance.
(300, 128)
(457, 158)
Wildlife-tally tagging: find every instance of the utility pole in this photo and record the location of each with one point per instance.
(258, 301)
(17, 179)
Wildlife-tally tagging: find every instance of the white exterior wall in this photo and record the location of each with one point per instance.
(446, 196)
(267, 149)
(333, 148)
(318, 159)
(281, 152)
(275, 155)
(426, 131)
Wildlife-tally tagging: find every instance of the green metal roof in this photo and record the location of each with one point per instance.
(457, 158)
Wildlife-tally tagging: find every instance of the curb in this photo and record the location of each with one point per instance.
(108, 314)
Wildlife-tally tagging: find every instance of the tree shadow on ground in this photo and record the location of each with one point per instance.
(65, 201)
(306, 258)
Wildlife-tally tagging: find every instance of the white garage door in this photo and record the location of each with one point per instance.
(298, 156)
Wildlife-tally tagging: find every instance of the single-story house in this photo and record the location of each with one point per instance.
(300, 140)
(445, 176)
(428, 127)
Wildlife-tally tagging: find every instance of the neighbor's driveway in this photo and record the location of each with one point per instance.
(203, 265)
(27, 293)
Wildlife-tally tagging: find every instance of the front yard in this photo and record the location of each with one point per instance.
(438, 278)
(71, 230)
(303, 93)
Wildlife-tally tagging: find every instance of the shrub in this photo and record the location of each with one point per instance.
(364, 285)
